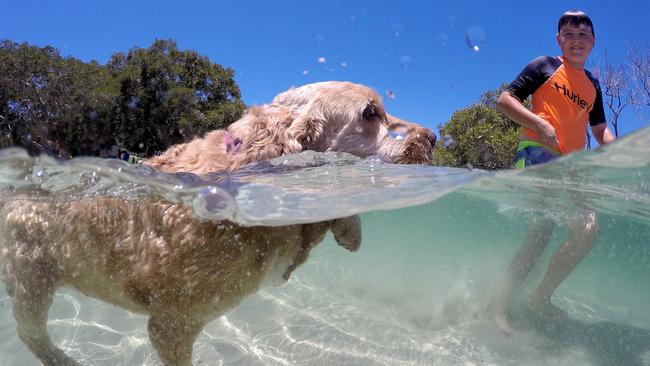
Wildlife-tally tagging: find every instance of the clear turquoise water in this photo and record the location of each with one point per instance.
(436, 244)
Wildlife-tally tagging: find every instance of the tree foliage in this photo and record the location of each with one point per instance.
(43, 96)
(166, 96)
(625, 83)
(478, 136)
(145, 99)
(618, 92)
(640, 60)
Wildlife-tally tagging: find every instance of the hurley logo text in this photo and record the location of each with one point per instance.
(574, 97)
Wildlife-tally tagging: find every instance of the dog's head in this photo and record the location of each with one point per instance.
(330, 116)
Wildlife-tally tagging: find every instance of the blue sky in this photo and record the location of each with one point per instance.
(417, 51)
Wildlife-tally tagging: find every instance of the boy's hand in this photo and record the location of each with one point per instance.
(548, 136)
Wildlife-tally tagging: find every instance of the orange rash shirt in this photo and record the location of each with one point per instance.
(564, 96)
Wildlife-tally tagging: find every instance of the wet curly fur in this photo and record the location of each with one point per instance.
(154, 257)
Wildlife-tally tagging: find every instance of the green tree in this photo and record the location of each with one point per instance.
(146, 99)
(478, 136)
(43, 96)
(166, 96)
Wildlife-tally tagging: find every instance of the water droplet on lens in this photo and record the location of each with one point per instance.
(446, 140)
(475, 37)
(398, 132)
(397, 29)
(397, 135)
(375, 160)
(40, 176)
(211, 202)
(597, 72)
(442, 39)
(405, 61)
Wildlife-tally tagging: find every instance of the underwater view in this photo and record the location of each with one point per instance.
(436, 244)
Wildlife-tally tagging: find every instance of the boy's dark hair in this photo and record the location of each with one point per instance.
(575, 18)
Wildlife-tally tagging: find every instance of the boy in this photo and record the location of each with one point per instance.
(565, 97)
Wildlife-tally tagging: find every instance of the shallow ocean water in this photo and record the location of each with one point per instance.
(436, 242)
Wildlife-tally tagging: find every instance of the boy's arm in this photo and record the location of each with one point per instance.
(602, 134)
(512, 107)
(599, 130)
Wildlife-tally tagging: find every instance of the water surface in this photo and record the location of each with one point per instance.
(436, 242)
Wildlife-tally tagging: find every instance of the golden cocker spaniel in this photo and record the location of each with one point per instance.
(155, 257)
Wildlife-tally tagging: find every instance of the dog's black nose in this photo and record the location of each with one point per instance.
(432, 139)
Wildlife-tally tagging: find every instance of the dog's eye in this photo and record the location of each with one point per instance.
(370, 112)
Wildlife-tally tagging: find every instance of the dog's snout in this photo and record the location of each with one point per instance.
(425, 133)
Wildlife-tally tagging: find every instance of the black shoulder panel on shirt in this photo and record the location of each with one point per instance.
(597, 113)
(536, 73)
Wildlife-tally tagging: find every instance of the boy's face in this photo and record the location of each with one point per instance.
(576, 43)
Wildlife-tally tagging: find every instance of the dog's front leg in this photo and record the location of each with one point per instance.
(172, 333)
(312, 234)
(33, 292)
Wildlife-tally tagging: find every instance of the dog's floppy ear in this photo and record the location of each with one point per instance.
(266, 133)
(347, 232)
(307, 128)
